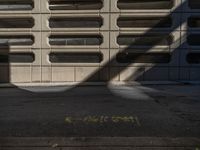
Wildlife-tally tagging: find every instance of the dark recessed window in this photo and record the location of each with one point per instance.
(145, 40)
(143, 57)
(21, 40)
(8, 40)
(16, 22)
(145, 4)
(17, 58)
(75, 40)
(193, 39)
(17, 5)
(193, 58)
(80, 57)
(75, 4)
(79, 22)
(194, 4)
(194, 22)
(144, 22)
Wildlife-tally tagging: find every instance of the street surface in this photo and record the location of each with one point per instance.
(90, 111)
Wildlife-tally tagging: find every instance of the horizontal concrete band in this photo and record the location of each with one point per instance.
(99, 142)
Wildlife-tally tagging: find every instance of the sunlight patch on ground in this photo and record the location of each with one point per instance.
(131, 92)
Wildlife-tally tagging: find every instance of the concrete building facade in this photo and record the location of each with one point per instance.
(57, 41)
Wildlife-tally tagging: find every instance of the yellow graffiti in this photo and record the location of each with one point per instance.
(103, 119)
(68, 120)
(91, 119)
(118, 119)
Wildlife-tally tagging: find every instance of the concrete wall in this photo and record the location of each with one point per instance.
(142, 67)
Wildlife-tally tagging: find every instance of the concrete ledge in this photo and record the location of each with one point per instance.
(10, 85)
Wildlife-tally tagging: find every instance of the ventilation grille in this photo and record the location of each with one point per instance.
(193, 39)
(144, 22)
(194, 4)
(145, 40)
(75, 57)
(78, 22)
(194, 22)
(75, 4)
(17, 58)
(9, 40)
(16, 5)
(143, 57)
(16, 22)
(71, 40)
(193, 58)
(145, 4)
(75, 40)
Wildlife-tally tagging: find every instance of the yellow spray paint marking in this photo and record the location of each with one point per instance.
(103, 119)
(68, 120)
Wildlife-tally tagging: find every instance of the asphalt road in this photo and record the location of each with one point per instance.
(135, 111)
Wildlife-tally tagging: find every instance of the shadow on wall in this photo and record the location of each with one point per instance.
(165, 61)
(4, 65)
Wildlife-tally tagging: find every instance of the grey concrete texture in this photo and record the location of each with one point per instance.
(42, 70)
(101, 111)
(99, 143)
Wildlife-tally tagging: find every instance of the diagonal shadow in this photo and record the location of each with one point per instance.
(79, 107)
(131, 48)
(4, 65)
(139, 40)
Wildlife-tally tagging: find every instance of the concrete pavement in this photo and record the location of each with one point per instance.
(101, 111)
(100, 143)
